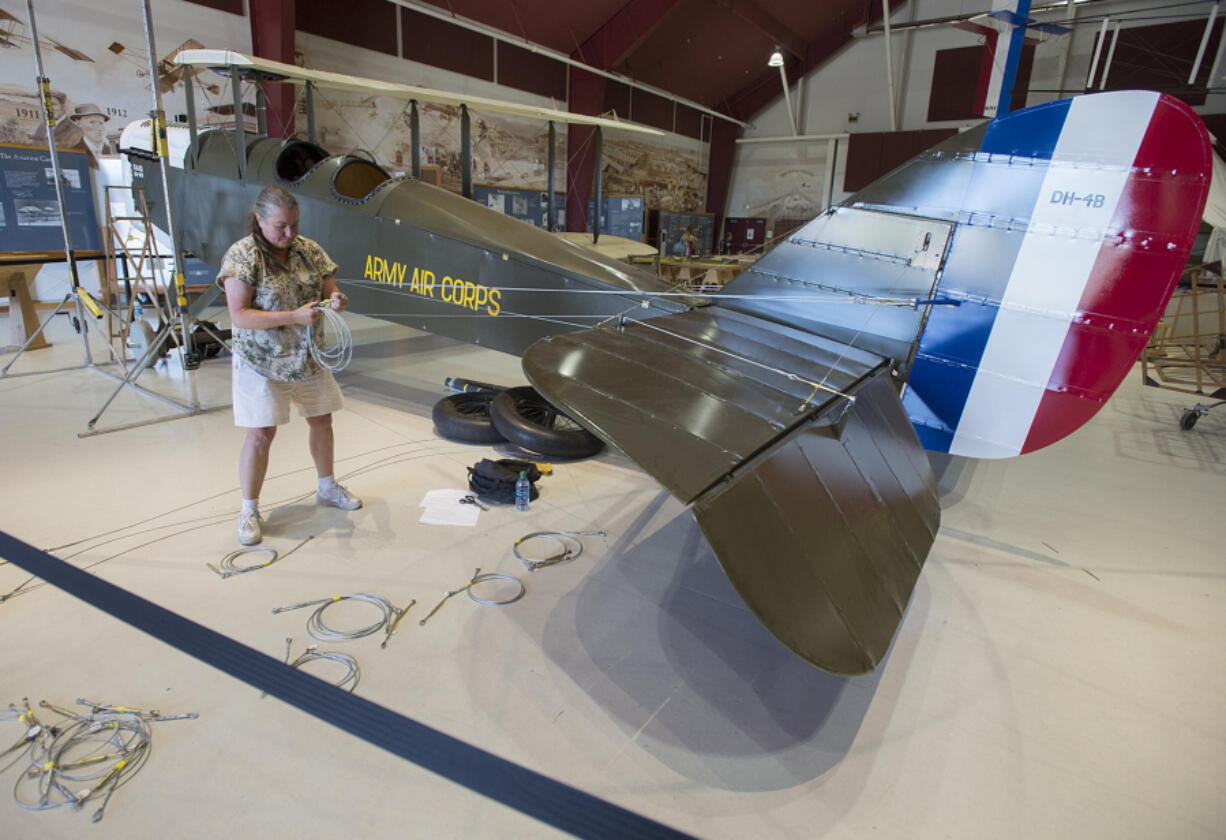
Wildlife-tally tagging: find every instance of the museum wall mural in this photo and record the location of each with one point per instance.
(669, 172)
(94, 55)
(784, 184)
(507, 151)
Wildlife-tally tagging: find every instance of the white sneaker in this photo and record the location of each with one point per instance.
(249, 527)
(337, 497)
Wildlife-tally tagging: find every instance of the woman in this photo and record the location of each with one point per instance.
(274, 279)
(691, 242)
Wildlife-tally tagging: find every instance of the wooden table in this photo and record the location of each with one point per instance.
(17, 272)
(701, 272)
(23, 320)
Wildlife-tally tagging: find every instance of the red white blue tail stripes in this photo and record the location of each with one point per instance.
(1062, 281)
(1072, 213)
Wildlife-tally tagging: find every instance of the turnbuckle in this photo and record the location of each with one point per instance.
(450, 593)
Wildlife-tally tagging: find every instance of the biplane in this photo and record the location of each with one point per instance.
(983, 299)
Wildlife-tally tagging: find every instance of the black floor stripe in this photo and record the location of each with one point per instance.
(548, 800)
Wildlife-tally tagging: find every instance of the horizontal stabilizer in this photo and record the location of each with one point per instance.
(824, 537)
(803, 469)
(691, 396)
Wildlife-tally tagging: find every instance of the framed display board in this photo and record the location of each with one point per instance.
(29, 209)
(531, 206)
(620, 215)
(670, 224)
(748, 233)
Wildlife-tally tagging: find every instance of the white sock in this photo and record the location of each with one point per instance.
(251, 505)
(326, 483)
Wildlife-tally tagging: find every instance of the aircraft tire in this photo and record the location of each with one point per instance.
(466, 417)
(529, 421)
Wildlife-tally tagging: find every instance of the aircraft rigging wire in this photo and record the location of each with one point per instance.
(551, 319)
(103, 748)
(338, 106)
(215, 106)
(817, 386)
(849, 345)
(393, 124)
(617, 316)
(348, 680)
(568, 541)
(228, 566)
(501, 167)
(850, 295)
(495, 602)
(324, 632)
(376, 451)
(338, 355)
(839, 295)
(468, 587)
(33, 730)
(580, 153)
(104, 751)
(117, 534)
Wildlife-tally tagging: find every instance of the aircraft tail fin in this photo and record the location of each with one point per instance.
(1039, 251)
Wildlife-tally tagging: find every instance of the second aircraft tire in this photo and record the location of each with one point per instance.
(529, 421)
(466, 417)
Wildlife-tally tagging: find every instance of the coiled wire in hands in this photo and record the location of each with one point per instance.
(568, 541)
(337, 356)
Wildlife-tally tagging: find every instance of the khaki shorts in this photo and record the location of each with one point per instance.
(260, 402)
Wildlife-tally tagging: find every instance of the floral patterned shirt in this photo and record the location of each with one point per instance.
(280, 353)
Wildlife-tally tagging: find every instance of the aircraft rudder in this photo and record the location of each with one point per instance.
(1093, 261)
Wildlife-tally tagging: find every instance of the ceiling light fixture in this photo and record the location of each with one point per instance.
(776, 60)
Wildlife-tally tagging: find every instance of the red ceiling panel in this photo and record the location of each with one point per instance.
(363, 23)
(559, 26)
(649, 109)
(234, 7)
(705, 50)
(439, 44)
(519, 68)
(711, 51)
(616, 99)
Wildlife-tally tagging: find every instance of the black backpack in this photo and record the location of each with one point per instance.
(494, 481)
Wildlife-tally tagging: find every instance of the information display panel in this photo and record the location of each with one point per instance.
(620, 215)
(670, 225)
(531, 206)
(29, 209)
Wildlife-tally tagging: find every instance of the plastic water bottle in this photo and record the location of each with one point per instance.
(522, 491)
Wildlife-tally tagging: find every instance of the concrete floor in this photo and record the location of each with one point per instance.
(1059, 673)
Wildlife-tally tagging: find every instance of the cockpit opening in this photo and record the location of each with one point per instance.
(296, 159)
(357, 178)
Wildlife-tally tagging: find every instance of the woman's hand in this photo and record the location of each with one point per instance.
(307, 314)
(340, 301)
